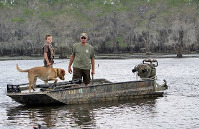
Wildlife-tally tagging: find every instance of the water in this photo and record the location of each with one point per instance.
(177, 109)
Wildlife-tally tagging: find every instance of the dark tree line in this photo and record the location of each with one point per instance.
(113, 26)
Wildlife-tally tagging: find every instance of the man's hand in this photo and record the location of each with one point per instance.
(93, 72)
(70, 70)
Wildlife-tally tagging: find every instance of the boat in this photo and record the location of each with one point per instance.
(74, 92)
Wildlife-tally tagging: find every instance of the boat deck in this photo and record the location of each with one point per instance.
(23, 88)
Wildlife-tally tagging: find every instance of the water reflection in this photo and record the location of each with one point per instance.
(83, 116)
(36, 115)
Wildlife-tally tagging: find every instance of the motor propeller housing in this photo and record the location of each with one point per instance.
(146, 69)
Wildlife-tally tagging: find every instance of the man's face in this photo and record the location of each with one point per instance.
(83, 39)
(49, 39)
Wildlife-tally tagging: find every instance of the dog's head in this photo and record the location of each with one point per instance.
(61, 74)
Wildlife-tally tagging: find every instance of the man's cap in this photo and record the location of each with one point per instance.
(84, 35)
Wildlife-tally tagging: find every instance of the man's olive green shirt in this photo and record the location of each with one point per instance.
(83, 55)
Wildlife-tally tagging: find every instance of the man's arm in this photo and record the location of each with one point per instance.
(72, 57)
(93, 65)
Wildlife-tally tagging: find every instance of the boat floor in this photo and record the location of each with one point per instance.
(51, 86)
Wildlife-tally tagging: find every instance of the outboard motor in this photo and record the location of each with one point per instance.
(146, 69)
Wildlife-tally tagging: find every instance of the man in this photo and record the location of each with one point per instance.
(81, 57)
(48, 51)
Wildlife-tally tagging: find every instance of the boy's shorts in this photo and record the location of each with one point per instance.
(79, 73)
(45, 63)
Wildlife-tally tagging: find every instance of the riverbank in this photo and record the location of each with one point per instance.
(19, 58)
(143, 55)
(108, 56)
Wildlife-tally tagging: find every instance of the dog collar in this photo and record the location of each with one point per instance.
(57, 72)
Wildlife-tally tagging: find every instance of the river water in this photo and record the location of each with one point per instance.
(177, 109)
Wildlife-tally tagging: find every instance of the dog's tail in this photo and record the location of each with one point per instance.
(21, 70)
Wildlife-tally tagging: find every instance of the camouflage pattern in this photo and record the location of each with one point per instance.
(146, 70)
(84, 35)
(105, 92)
(102, 90)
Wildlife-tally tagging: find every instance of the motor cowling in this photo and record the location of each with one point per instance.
(146, 69)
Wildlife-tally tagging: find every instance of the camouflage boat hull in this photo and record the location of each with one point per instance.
(101, 90)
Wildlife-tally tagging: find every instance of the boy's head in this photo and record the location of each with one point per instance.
(48, 38)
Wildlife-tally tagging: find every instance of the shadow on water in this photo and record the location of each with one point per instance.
(72, 115)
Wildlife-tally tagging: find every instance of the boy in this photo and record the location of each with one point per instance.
(48, 51)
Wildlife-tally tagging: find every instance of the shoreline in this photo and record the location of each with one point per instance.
(3, 58)
(107, 56)
(143, 55)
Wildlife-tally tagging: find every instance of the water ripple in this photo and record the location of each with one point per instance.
(177, 109)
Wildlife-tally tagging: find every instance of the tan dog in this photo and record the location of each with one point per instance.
(44, 73)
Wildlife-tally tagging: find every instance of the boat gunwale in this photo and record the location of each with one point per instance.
(25, 93)
(72, 88)
(96, 85)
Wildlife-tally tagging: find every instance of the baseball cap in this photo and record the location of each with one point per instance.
(84, 35)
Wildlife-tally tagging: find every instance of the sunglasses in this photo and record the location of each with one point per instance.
(83, 37)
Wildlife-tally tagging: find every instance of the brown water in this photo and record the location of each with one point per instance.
(177, 109)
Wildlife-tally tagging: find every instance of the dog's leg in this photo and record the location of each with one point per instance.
(29, 88)
(46, 82)
(56, 80)
(34, 84)
(31, 82)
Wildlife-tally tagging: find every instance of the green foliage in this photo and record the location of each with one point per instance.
(85, 2)
(122, 45)
(28, 12)
(60, 12)
(94, 5)
(153, 1)
(81, 2)
(18, 20)
(120, 42)
(108, 44)
(1, 4)
(177, 3)
(11, 3)
(46, 14)
(196, 1)
(110, 6)
(143, 23)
